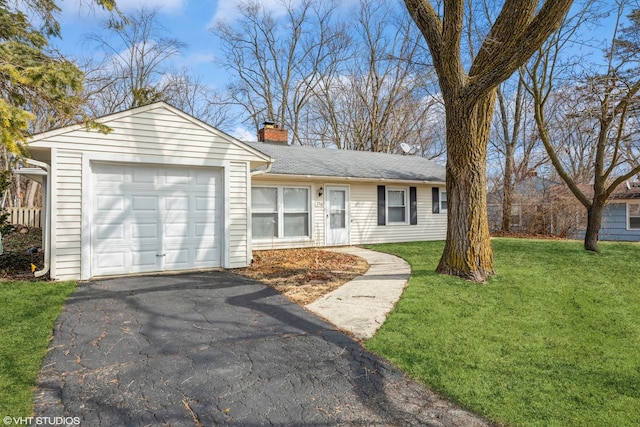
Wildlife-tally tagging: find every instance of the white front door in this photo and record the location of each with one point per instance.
(337, 215)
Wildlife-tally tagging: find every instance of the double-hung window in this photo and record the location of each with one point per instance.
(280, 212)
(633, 215)
(439, 199)
(396, 205)
(264, 212)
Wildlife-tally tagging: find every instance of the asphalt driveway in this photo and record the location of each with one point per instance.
(215, 348)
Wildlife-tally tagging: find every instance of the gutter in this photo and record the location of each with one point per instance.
(46, 229)
(262, 172)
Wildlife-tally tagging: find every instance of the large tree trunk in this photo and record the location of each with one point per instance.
(467, 251)
(594, 222)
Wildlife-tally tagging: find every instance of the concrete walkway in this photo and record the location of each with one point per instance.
(362, 305)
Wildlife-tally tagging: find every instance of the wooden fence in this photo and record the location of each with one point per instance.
(30, 217)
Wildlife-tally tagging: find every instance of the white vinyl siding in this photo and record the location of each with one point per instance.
(364, 228)
(67, 212)
(156, 134)
(364, 224)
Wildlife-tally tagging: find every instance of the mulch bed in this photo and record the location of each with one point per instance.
(303, 275)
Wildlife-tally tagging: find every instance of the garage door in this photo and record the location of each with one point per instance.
(155, 218)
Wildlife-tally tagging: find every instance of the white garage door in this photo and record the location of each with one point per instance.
(155, 218)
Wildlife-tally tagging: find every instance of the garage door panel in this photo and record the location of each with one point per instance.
(204, 204)
(150, 218)
(177, 176)
(202, 179)
(144, 260)
(205, 255)
(176, 204)
(175, 229)
(205, 228)
(110, 203)
(111, 261)
(109, 232)
(144, 203)
(177, 258)
(145, 231)
(144, 175)
(108, 173)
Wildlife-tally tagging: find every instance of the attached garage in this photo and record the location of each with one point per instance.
(161, 192)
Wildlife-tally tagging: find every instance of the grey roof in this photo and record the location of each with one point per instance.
(327, 162)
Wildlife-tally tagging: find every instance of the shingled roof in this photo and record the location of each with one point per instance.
(327, 162)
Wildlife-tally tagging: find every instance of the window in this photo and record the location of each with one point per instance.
(280, 212)
(516, 212)
(396, 205)
(264, 212)
(439, 200)
(633, 213)
(296, 212)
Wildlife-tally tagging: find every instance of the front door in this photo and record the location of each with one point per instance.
(337, 215)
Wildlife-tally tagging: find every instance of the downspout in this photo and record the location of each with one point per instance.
(46, 232)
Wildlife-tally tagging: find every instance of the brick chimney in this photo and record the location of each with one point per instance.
(272, 133)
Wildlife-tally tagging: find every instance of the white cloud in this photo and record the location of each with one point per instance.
(82, 10)
(164, 6)
(227, 10)
(243, 134)
(197, 58)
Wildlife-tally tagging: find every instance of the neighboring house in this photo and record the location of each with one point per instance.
(166, 192)
(531, 210)
(621, 216)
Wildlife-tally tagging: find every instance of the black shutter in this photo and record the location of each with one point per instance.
(382, 205)
(413, 206)
(435, 199)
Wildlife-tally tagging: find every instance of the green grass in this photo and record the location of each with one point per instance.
(553, 339)
(27, 316)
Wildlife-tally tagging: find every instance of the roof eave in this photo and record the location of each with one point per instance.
(350, 179)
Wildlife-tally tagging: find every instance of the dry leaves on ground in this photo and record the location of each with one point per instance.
(304, 275)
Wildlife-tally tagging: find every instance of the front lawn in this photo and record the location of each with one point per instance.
(29, 311)
(552, 340)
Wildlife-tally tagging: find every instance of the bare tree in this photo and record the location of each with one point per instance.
(279, 60)
(380, 101)
(607, 103)
(189, 94)
(517, 32)
(134, 63)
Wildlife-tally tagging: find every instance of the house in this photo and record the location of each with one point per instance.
(164, 191)
(531, 209)
(621, 215)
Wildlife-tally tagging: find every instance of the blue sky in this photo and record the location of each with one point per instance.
(187, 21)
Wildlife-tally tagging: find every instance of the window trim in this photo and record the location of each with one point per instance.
(405, 205)
(629, 204)
(281, 213)
(443, 191)
(436, 200)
